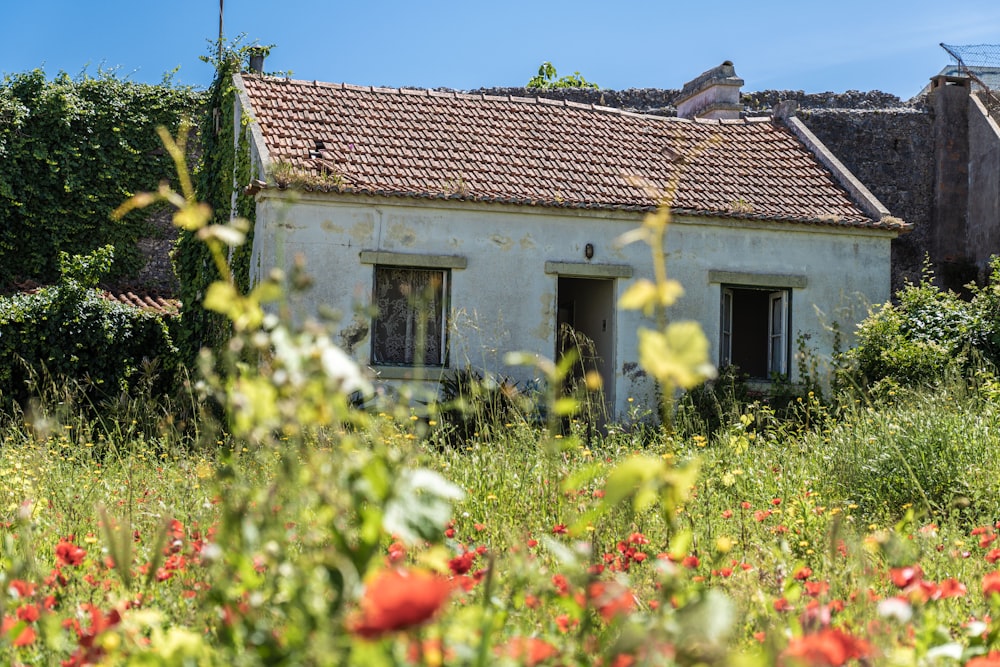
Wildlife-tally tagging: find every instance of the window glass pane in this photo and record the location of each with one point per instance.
(726, 343)
(409, 327)
(777, 354)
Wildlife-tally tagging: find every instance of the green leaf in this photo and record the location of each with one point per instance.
(677, 357)
(565, 406)
(629, 476)
(221, 297)
(226, 234)
(420, 506)
(582, 476)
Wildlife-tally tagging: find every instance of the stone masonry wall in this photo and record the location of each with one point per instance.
(891, 151)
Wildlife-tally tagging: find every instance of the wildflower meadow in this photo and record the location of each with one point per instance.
(281, 515)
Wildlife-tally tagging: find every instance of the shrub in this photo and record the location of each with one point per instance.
(69, 332)
(473, 406)
(928, 333)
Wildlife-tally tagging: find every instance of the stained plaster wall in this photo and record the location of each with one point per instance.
(503, 300)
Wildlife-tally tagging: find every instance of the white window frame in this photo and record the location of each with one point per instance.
(778, 326)
(777, 332)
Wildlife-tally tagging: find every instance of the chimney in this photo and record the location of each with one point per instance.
(257, 55)
(714, 94)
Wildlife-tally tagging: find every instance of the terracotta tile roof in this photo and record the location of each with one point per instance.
(152, 304)
(541, 152)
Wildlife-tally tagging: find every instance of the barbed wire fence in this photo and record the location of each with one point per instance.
(972, 60)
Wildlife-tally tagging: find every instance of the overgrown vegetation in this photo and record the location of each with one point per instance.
(927, 335)
(71, 150)
(68, 333)
(301, 529)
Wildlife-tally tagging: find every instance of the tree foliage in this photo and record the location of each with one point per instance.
(71, 150)
(548, 79)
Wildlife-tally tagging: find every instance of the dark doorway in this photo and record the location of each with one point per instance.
(586, 309)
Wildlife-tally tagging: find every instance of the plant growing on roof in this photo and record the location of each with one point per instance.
(547, 79)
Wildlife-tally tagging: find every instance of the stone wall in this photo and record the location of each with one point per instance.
(984, 175)
(891, 151)
(660, 101)
(657, 101)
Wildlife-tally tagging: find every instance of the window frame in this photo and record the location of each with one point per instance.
(382, 260)
(440, 316)
(779, 301)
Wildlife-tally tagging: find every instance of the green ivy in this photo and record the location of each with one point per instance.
(192, 261)
(71, 150)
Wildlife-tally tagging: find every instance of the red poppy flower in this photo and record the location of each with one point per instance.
(399, 599)
(803, 573)
(528, 651)
(22, 588)
(991, 583)
(462, 564)
(904, 576)
(952, 588)
(25, 636)
(611, 599)
(817, 588)
(28, 612)
(565, 623)
(68, 553)
(991, 659)
(559, 529)
(830, 647)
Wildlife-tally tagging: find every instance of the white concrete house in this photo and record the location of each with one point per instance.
(503, 215)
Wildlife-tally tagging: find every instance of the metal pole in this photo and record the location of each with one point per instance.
(222, 4)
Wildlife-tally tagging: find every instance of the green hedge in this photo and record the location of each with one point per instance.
(70, 333)
(71, 151)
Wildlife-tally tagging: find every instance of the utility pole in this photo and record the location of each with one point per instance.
(222, 4)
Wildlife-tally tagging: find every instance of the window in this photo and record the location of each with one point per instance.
(754, 330)
(410, 326)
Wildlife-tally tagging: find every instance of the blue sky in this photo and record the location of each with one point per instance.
(816, 46)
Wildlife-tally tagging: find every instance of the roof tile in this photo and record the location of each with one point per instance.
(533, 151)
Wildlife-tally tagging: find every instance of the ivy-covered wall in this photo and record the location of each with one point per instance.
(225, 166)
(71, 151)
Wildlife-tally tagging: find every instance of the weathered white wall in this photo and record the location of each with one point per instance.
(505, 301)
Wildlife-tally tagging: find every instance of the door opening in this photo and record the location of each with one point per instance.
(585, 320)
